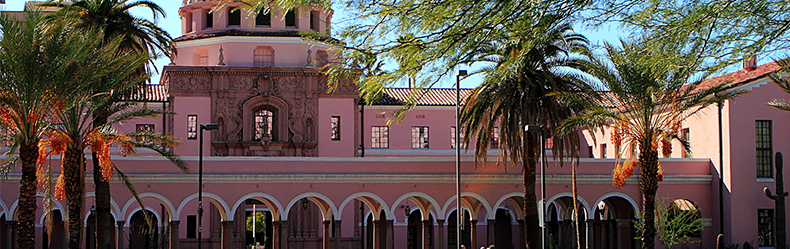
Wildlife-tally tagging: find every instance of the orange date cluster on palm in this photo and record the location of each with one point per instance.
(625, 170)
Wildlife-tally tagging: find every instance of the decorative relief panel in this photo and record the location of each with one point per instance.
(198, 82)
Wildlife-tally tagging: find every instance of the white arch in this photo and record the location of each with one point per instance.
(293, 201)
(254, 195)
(430, 199)
(129, 218)
(364, 194)
(569, 194)
(148, 195)
(451, 210)
(112, 203)
(513, 220)
(213, 198)
(591, 213)
(508, 196)
(480, 198)
(87, 215)
(5, 209)
(12, 212)
(41, 219)
(431, 213)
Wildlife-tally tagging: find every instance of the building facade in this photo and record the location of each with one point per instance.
(329, 172)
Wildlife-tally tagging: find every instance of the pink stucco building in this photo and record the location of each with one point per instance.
(328, 172)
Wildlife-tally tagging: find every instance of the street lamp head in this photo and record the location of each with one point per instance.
(209, 127)
(531, 128)
(460, 73)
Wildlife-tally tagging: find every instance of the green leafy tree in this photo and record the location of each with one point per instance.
(259, 221)
(676, 224)
(647, 97)
(519, 90)
(728, 30)
(36, 59)
(138, 35)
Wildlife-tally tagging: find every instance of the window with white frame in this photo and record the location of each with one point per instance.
(379, 137)
(191, 126)
(264, 120)
(419, 137)
(335, 127)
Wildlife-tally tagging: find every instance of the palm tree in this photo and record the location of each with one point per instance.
(519, 91)
(648, 98)
(35, 59)
(138, 35)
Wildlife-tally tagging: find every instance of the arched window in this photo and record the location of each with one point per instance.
(683, 218)
(264, 125)
(234, 17)
(263, 57)
(263, 19)
(209, 19)
(200, 57)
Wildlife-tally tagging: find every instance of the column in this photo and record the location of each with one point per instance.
(441, 234)
(336, 228)
(390, 234)
(491, 232)
(326, 234)
(283, 234)
(276, 234)
(623, 232)
(522, 234)
(174, 234)
(121, 236)
(473, 228)
(226, 234)
(590, 234)
(9, 234)
(426, 224)
(376, 234)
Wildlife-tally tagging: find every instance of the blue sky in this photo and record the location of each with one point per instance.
(172, 24)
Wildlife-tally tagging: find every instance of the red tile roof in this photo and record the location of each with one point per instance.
(430, 97)
(742, 76)
(150, 93)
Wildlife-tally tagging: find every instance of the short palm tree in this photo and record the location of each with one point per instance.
(35, 59)
(646, 95)
(138, 35)
(519, 91)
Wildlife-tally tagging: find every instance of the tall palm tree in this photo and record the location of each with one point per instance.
(35, 59)
(138, 35)
(519, 91)
(648, 96)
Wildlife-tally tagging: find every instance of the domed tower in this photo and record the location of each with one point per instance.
(259, 79)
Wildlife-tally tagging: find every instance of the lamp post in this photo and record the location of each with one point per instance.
(208, 127)
(542, 129)
(458, 75)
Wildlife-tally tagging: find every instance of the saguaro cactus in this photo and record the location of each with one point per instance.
(779, 202)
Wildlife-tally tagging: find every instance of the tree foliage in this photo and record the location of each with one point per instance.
(727, 29)
(674, 224)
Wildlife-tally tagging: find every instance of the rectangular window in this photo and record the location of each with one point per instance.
(192, 127)
(419, 137)
(603, 150)
(145, 127)
(290, 19)
(452, 137)
(335, 120)
(379, 137)
(764, 148)
(494, 141)
(191, 226)
(209, 19)
(314, 20)
(684, 134)
(263, 19)
(234, 17)
(765, 227)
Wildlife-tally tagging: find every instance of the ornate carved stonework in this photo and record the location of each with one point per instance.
(199, 82)
(292, 95)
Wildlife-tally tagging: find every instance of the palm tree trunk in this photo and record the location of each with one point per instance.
(529, 161)
(648, 184)
(102, 216)
(74, 186)
(105, 226)
(26, 229)
(576, 206)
